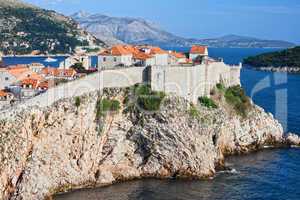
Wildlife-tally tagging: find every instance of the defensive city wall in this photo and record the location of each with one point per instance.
(187, 81)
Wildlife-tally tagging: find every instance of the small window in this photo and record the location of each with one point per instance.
(104, 59)
(115, 59)
(6, 78)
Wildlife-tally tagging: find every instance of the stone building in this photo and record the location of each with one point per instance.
(198, 52)
(77, 58)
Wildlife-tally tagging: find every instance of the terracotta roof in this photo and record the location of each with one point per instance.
(30, 81)
(21, 72)
(177, 55)
(58, 72)
(3, 93)
(157, 50)
(142, 56)
(197, 49)
(117, 50)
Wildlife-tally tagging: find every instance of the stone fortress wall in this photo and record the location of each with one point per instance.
(192, 82)
(189, 82)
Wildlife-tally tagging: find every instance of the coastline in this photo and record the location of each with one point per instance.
(44, 55)
(289, 70)
(68, 152)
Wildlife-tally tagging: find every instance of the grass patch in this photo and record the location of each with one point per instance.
(236, 96)
(207, 102)
(106, 105)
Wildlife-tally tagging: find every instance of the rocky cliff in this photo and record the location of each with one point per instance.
(71, 145)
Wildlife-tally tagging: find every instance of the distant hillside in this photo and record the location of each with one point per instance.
(114, 30)
(24, 28)
(286, 60)
(244, 42)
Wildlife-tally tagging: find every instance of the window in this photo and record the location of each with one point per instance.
(115, 59)
(6, 78)
(104, 59)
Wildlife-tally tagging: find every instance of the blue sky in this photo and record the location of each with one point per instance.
(268, 19)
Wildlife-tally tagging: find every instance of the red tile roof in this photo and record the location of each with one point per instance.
(142, 56)
(157, 50)
(197, 49)
(118, 50)
(30, 81)
(3, 93)
(50, 71)
(22, 71)
(177, 55)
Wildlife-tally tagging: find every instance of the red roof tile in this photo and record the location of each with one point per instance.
(50, 71)
(3, 93)
(30, 81)
(196, 49)
(177, 55)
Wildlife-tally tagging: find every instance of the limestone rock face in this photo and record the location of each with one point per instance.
(62, 147)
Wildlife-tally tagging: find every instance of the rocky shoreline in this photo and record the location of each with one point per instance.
(291, 70)
(67, 146)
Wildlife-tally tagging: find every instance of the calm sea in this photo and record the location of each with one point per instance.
(38, 59)
(270, 174)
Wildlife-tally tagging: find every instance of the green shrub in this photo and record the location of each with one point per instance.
(220, 87)
(147, 99)
(106, 105)
(207, 102)
(193, 112)
(236, 96)
(77, 101)
(142, 90)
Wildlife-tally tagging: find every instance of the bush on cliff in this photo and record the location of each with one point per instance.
(77, 101)
(207, 102)
(147, 99)
(221, 87)
(237, 98)
(106, 105)
(194, 112)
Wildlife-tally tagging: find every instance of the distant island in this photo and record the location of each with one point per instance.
(282, 61)
(118, 30)
(27, 29)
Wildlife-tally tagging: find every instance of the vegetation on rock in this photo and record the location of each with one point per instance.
(221, 87)
(106, 105)
(194, 112)
(77, 101)
(207, 102)
(236, 97)
(147, 99)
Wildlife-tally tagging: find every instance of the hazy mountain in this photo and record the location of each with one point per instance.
(24, 28)
(114, 30)
(244, 42)
(126, 30)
